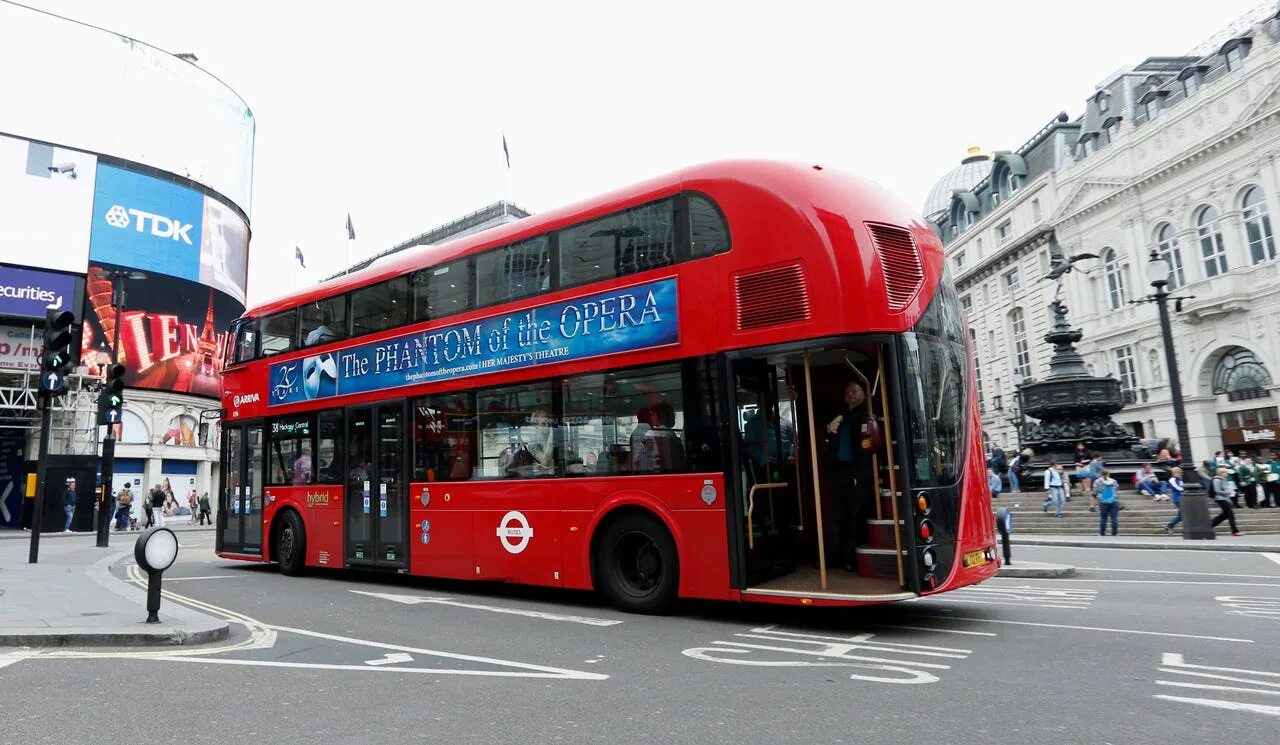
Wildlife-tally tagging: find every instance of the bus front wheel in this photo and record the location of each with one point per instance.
(637, 566)
(291, 545)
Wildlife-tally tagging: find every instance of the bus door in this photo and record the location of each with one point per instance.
(766, 482)
(240, 501)
(376, 510)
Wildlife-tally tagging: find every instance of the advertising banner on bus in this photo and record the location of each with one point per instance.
(622, 320)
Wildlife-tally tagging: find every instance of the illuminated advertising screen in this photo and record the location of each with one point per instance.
(47, 202)
(27, 293)
(158, 226)
(170, 330)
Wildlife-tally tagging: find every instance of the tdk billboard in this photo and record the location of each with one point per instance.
(146, 223)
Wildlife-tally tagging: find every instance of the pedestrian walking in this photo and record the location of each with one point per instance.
(157, 507)
(69, 504)
(206, 510)
(124, 505)
(1108, 491)
(1176, 488)
(193, 505)
(1224, 494)
(1053, 483)
(1015, 473)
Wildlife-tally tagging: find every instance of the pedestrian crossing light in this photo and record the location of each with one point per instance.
(57, 360)
(111, 401)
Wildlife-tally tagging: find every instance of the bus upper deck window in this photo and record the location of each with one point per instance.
(708, 233)
(245, 343)
(279, 332)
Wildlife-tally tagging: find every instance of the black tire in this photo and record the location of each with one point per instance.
(291, 545)
(637, 566)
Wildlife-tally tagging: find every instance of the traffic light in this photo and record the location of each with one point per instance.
(111, 401)
(58, 358)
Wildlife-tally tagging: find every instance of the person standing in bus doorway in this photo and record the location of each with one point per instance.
(851, 478)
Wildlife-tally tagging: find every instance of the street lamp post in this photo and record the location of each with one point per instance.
(1158, 271)
(118, 299)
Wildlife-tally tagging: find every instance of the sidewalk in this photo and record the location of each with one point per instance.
(1223, 542)
(70, 599)
(122, 538)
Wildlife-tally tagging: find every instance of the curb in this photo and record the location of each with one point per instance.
(1198, 545)
(1036, 570)
(181, 625)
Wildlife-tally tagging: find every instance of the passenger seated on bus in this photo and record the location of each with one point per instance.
(662, 441)
(302, 469)
(640, 459)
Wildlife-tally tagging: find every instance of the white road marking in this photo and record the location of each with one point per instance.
(417, 599)
(1094, 628)
(832, 651)
(1153, 582)
(8, 660)
(1168, 571)
(534, 671)
(1255, 607)
(1019, 595)
(934, 630)
(211, 576)
(391, 658)
(1256, 683)
(552, 673)
(1271, 556)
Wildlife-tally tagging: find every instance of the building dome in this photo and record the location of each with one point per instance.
(975, 167)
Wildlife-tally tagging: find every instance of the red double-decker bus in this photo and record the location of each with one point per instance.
(742, 381)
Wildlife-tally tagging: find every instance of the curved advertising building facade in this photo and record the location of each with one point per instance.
(146, 200)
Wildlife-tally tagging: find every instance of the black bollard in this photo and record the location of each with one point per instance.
(155, 551)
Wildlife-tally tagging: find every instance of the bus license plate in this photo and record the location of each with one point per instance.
(975, 559)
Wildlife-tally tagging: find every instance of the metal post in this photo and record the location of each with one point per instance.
(42, 465)
(109, 439)
(1175, 384)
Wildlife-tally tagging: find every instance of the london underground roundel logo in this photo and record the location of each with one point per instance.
(514, 532)
(117, 217)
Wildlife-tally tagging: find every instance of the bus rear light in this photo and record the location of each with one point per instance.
(922, 504)
(926, 531)
(929, 559)
(930, 581)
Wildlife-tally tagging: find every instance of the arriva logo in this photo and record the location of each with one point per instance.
(160, 226)
(248, 398)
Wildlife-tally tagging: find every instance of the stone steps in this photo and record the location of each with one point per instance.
(1140, 516)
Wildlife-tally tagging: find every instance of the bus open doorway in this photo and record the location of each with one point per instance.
(816, 482)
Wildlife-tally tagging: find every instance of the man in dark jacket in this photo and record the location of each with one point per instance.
(850, 442)
(69, 504)
(157, 506)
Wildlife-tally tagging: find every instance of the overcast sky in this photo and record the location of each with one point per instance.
(395, 111)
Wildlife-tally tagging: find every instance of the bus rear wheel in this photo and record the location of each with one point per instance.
(291, 545)
(636, 565)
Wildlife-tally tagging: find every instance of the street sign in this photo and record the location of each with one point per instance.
(51, 382)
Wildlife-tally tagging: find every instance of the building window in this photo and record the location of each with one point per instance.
(1087, 147)
(1104, 101)
(1012, 282)
(1010, 182)
(958, 261)
(1212, 251)
(1257, 226)
(1240, 375)
(1116, 296)
(1234, 58)
(1035, 210)
(1005, 231)
(1190, 85)
(1152, 108)
(1021, 349)
(1112, 128)
(1167, 247)
(977, 363)
(979, 249)
(1126, 371)
(995, 198)
(1044, 262)
(966, 303)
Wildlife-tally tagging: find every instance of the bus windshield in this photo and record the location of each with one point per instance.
(937, 388)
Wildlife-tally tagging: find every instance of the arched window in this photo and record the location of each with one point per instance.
(1010, 182)
(1020, 348)
(1116, 296)
(1212, 252)
(1240, 375)
(1257, 226)
(1167, 247)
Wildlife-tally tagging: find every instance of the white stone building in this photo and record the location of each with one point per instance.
(1176, 155)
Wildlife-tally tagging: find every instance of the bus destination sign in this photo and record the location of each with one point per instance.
(622, 320)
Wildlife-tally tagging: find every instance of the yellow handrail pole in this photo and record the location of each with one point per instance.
(751, 506)
(893, 479)
(817, 488)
